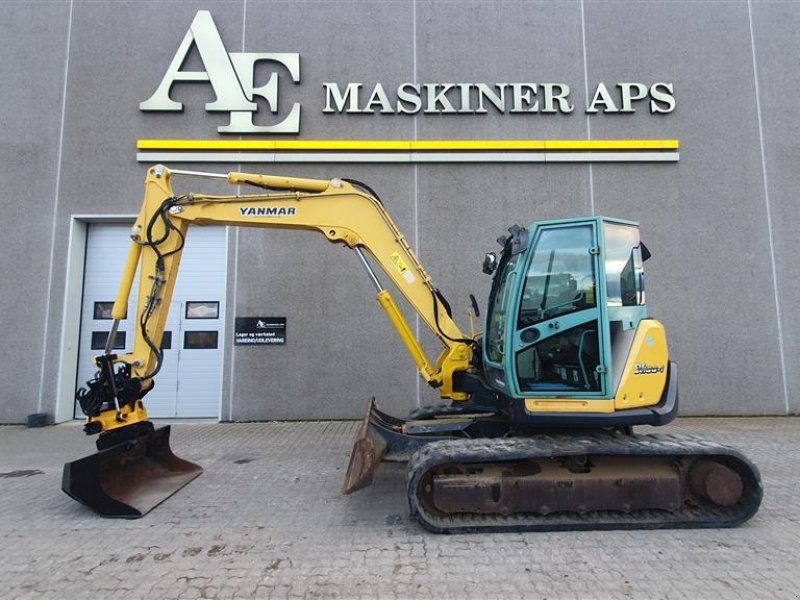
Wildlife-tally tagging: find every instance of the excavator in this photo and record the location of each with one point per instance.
(535, 428)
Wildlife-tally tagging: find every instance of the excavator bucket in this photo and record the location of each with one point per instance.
(129, 479)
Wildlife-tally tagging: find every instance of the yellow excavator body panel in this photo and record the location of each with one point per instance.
(645, 375)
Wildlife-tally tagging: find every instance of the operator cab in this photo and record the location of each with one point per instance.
(566, 299)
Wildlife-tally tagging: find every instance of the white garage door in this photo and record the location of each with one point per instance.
(189, 383)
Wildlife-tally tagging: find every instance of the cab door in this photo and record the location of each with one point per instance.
(558, 338)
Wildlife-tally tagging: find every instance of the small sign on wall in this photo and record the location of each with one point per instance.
(259, 331)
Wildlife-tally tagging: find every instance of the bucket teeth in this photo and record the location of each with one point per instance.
(130, 478)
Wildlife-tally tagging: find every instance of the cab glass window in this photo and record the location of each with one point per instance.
(497, 314)
(624, 270)
(561, 276)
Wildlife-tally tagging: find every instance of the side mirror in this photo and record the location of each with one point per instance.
(490, 263)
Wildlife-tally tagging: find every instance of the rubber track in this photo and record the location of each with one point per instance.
(595, 443)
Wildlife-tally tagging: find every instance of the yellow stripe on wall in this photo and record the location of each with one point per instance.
(409, 145)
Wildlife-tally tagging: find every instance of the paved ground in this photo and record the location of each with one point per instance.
(266, 520)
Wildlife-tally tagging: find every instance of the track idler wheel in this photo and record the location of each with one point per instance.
(715, 482)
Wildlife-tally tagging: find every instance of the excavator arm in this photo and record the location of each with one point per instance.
(120, 480)
(343, 212)
(134, 468)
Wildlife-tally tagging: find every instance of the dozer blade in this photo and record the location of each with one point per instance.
(127, 480)
(368, 450)
(382, 437)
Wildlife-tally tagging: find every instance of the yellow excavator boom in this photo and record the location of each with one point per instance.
(342, 211)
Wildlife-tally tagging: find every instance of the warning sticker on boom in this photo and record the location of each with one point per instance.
(400, 265)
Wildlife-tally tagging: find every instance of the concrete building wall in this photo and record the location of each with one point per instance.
(720, 221)
(33, 48)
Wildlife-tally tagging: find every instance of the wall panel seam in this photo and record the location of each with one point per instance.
(768, 209)
(417, 381)
(234, 242)
(45, 336)
(586, 95)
